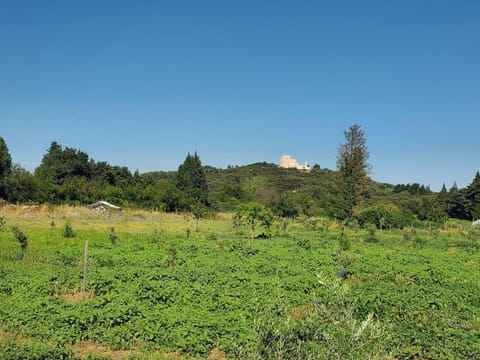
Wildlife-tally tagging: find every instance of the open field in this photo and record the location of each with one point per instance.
(164, 290)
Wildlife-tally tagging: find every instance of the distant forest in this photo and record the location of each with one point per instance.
(69, 176)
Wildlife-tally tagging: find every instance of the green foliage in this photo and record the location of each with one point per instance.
(112, 236)
(2, 222)
(353, 167)
(68, 231)
(192, 295)
(430, 210)
(327, 329)
(191, 179)
(19, 186)
(343, 240)
(473, 197)
(11, 349)
(20, 237)
(285, 206)
(371, 233)
(5, 159)
(384, 216)
(254, 215)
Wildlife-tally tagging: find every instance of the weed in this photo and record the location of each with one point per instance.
(21, 237)
(371, 234)
(68, 230)
(112, 236)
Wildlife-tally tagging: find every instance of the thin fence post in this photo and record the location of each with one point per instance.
(85, 265)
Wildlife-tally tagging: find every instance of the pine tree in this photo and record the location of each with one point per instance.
(191, 179)
(457, 203)
(473, 196)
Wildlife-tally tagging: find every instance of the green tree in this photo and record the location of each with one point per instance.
(19, 186)
(431, 210)
(254, 215)
(353, 167)
(457, 203)
(191, 179)
(473, 196)
(5, 165)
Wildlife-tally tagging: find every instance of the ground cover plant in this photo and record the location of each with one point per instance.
(155, 292)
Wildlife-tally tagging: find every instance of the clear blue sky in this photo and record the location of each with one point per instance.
(141, 83)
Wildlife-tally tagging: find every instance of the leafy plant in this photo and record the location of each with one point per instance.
(254, 215)
(21, 237)
(371, 233)
(112, 236)
(68, 230)
(329, 330)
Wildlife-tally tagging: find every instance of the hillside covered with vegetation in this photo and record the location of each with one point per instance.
(69, 176)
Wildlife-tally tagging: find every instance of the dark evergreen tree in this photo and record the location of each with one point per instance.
(353, 167)
(473, 197)
(191, 179)
(5, 165)
(457, 203)
(442, 197)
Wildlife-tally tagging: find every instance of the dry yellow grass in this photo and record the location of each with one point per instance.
(128, 220)
(89, 349)
(301, 312)
(217, 354)
(76, 295)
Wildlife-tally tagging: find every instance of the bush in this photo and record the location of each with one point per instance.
(68, 230)
(371, 233)
(21, 237)
(113, 236)
(254, 215)
(383, 216)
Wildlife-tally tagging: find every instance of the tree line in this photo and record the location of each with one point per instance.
(69, 176)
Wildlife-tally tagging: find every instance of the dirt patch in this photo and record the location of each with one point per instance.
(83, 350)
(301, 312)
(76, 295)
(217, 354)
(452, 250)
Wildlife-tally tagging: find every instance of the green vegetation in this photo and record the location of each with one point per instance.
(294, 295)
(353, 168)
(248, 262)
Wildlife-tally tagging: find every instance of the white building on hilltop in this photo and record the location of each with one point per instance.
(286, 161)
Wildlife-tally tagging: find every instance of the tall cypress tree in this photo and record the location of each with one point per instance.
(191, 179)
(353, 167)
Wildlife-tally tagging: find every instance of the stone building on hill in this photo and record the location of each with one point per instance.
(286, 161)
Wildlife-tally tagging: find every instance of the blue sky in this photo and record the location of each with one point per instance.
(141, 83)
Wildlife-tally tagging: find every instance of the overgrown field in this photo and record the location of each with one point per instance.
(160, 289)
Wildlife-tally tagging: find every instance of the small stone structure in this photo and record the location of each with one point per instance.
(286, 161)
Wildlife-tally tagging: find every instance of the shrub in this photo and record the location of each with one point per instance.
(21, 237)
(113, 236)
(371, 233)
(254, 215)
(68, 230)
(343, 240)
(383, 216)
